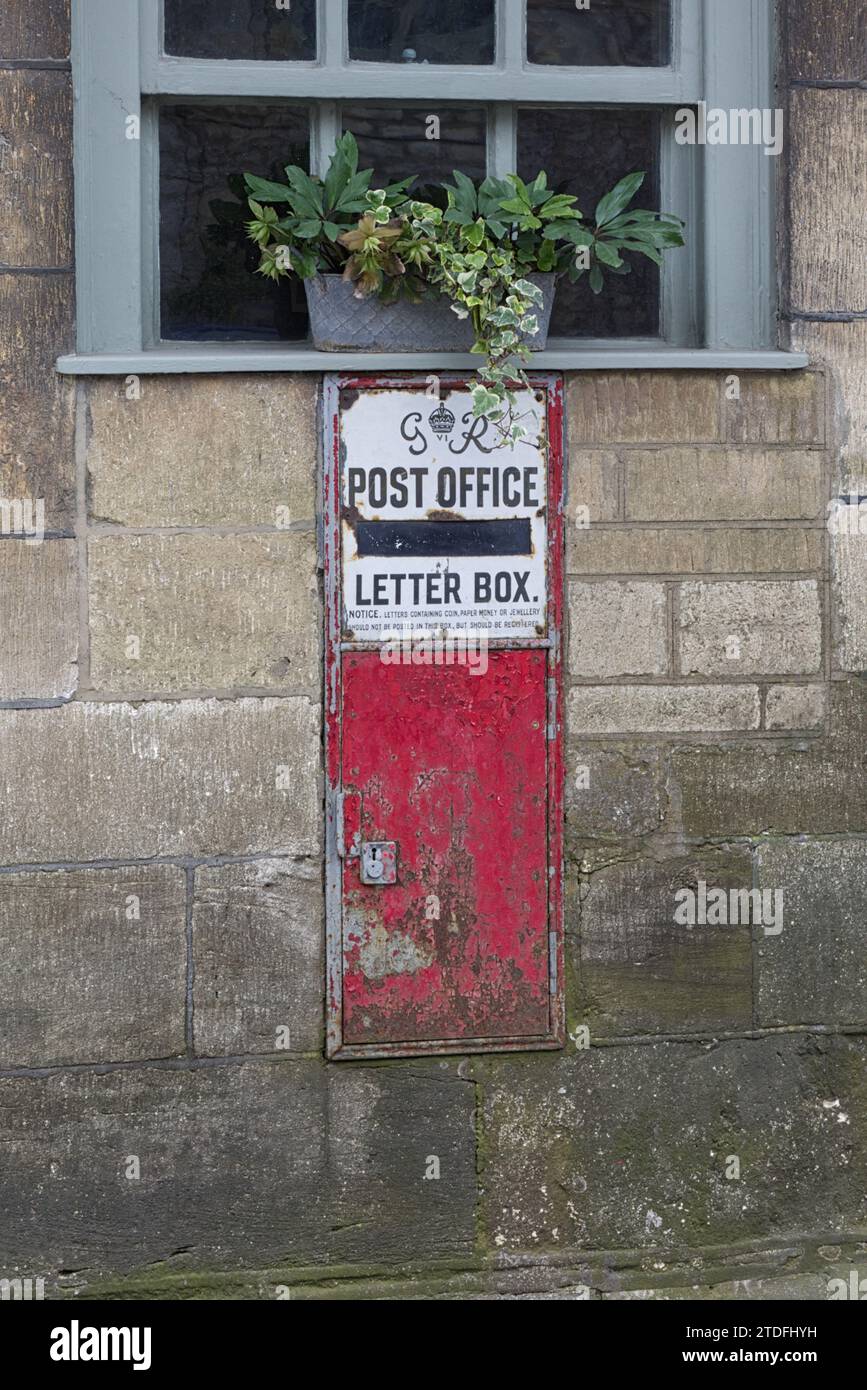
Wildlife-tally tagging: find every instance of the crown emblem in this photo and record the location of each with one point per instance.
(442, 422)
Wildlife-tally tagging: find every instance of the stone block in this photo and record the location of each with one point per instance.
(690, 550)
(815, 971)
(195, 777)
(618, 630)
(628, 1146)
(777, 408)
(258, 969)
(741, 629)
(226, 450)
(724, 485)
(664, 709)
(642, 408)
(796, 707)
(38, 619)
(594, 484)
(204, 612)
(36, 405)
(260, 1165)
(94, 965)
(613, 793)
(642, 972)
(828, 134)
(827, 42)
(36, 169)
(35, 31)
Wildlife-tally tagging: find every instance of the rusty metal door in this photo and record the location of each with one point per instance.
(443, 722)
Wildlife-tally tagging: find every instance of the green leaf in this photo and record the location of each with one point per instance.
(266, 191)
(561, 205)
(606, 254)
(309, 229)
(596, 280)
(547, 257)
(538, 189)
(615, 201)
(557, 231)
(352, 196)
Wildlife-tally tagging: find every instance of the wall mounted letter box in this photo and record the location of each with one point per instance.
(443, 567)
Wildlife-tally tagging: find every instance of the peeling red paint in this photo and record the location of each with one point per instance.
(464, 773)
(453, 768)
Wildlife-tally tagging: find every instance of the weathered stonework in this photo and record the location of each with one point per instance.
(675, 550)
(204, 612)
(613, 794)
(36, 206)
(593, 486)
(38, 619)
(795, 787)
(828, 129)
(35, 31)
(750, 629)
(796, 707)
(618, 630)
(631, 1144)
(36, 405)
(223, 451)
(642, 408)
(723, 485)
(254, 1164)
(258, 958)
(95, 965)
(786, 408)
(640, 971)
(815, 971)
(199, 777)
(826, 44)
(664, 709)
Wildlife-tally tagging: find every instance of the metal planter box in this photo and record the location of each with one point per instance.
(340, 322)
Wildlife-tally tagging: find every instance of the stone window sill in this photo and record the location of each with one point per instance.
(279, 357)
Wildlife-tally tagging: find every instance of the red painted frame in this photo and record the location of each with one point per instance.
(336, 1050)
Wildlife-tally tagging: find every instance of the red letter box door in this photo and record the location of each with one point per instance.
(443, 728)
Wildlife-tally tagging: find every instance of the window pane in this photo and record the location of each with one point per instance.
(209, 289)
(241, 29)
(422, 31)
(586, 152)
(610, 32)
(395, 141)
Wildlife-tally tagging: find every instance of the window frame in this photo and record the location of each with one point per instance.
(721, 53)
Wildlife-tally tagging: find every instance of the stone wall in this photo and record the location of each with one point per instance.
(167, 1121)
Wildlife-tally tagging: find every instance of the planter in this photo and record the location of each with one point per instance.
(340, 322)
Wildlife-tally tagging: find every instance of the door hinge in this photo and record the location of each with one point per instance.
(552, 710)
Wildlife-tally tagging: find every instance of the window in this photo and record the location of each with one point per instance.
(177, 98)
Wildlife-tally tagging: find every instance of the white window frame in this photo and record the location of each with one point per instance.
(718, 305)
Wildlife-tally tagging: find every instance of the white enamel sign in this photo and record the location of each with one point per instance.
(444, 525)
